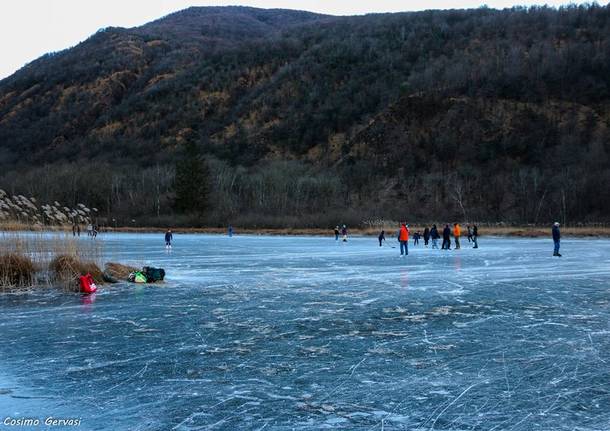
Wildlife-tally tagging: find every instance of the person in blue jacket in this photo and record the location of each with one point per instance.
(168, 239)
(434, 236)
(556, 238)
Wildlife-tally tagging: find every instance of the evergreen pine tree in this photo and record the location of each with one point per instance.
(192, 181)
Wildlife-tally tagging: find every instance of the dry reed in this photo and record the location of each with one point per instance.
(16, 270)
(66, 270)
(18, 210)
(118, 270)
(53, 251)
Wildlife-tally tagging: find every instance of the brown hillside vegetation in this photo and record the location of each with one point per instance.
(523, 153)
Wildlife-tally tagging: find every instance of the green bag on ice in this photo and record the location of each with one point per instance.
(137, 277)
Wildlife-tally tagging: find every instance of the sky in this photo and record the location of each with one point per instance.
(31, 28)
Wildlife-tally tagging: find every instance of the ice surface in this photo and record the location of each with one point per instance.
(255, 332)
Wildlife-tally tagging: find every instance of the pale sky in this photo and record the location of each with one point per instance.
(31, 28)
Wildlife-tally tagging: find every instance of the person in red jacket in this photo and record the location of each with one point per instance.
(403, 238)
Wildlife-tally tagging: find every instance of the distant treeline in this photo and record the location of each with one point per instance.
(296, 194)
(274, 195)
(305, 119)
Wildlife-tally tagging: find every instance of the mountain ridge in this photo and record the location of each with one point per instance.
(258, 88)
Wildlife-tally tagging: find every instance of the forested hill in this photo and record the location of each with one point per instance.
(308, 119)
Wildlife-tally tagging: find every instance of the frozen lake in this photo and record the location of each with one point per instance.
(284, 333)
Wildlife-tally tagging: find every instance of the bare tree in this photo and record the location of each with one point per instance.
(458, 194)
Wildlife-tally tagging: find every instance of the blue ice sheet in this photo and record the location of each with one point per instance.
(280, 333)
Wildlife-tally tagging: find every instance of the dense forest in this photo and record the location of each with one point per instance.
(254, 117)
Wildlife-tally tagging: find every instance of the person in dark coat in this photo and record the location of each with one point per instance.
(475, 236)
(434, 236)
(416, 237)
(556, 238)
(168, 239)
(381, 238)
(446, 238)
(426, 236)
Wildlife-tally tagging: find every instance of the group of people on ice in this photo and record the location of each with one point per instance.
(432, 235)
(343, 233)
(92, 230)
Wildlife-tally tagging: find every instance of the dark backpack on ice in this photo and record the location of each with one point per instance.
(153, 274)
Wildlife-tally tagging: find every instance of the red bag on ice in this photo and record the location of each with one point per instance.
(87, 284)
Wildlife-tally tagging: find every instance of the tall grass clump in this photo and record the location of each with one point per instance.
(16, 270)
(50, 259)
(118, 270)
(66, 269)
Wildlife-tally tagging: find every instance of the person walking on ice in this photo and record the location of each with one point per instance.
(434, 236)
(381, 238)
(556, 238)
(469, 233)
(336, 233)
(457, 231)
(168, 239)
(475, 236)
(446, 238)
(426, 236)
(344, 233)
(403, 239)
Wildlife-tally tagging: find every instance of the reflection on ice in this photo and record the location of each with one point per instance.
(284, 333)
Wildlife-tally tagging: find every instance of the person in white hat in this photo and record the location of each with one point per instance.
(556, 238)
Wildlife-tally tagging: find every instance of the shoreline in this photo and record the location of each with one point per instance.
(501, 231)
